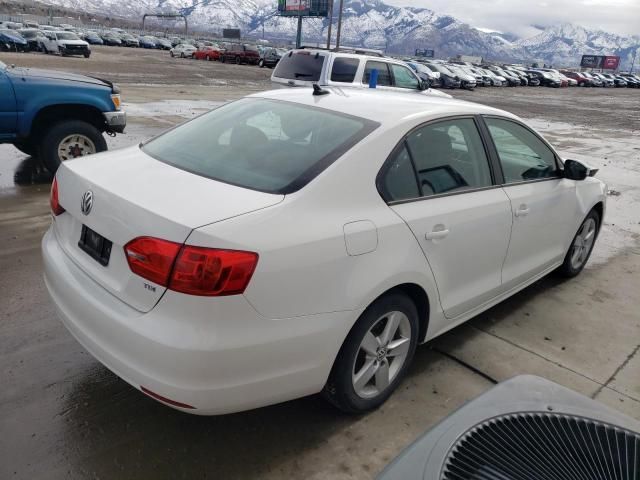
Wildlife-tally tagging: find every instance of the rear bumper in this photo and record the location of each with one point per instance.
(116, 121)
(217, 355)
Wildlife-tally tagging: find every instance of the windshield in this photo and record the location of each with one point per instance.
(300, 66)
(265, 145)
(67, 36)
(29, 33)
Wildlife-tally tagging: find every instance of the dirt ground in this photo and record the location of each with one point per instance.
(64, 415)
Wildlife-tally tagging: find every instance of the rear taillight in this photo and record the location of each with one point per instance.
(212, 272)
(56, 208)
(191, 270)
(152, 258)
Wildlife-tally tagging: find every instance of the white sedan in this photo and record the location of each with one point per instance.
(300, 241)
(184, 50)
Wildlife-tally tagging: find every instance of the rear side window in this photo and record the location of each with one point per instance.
(384, 76)
(403, 78)
(260, 144)
(344, 69)
(305, 66)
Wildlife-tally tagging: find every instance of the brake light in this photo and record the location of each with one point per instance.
(152, 258)
(212, 272)
(191, 270)
(56, 208)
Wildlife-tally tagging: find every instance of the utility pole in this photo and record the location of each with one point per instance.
(299, 34)
(330, 24)
(339, 24)
(635, 54)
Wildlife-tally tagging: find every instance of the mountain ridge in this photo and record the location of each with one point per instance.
(375, 24)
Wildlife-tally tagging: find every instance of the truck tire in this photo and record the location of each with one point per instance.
(67, 140)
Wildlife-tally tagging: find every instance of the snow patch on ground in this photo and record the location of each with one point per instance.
(180, 108)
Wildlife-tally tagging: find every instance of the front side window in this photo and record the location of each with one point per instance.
(523, 155)
(265, 145)
(449, 156)
(384, 77)
(403, 78)
(344, 69)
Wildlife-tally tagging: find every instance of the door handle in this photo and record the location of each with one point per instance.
(439, 231)
(522, 211)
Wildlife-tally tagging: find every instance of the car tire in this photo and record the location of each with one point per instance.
(87, 55)
(182, 55)
(348, 387)
(223, 59)
(261, 63)
(238, 61)
(581, 246)
(172, 54)
(52, 139)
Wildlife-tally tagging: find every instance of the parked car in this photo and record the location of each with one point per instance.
(269, 57)
(184, 50)
(467, 80)
(111, 39)
(65, 43)
(580, 78)
(129, 40)
(92, 38)
(241, 53)
(511, 79)
(426, 74)
(346, 68)
(34, 38)
(449, 79)
(595, 81)
(207, 53)
(545, 78)
(163, 44)
(372, 210)
(633, 81)
(564, 81)
(618, 81)
(607, 82)
(496, 80)
(147, 41)
(11, 40)
(55, 115)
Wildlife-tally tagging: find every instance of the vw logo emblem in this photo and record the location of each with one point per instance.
(87, 202)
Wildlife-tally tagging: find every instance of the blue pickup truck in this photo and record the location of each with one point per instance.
(57, 116)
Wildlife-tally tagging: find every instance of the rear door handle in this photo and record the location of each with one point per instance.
(439, 231)
(522, 211)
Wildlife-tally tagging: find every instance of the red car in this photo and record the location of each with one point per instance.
(207, 53)
(578, 77)
(241, 53)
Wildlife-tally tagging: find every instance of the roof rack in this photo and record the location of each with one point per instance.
(353, 50)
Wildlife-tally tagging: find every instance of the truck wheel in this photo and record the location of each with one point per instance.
(87, 55)
(261, 63)
(68, 140)
(237, 60)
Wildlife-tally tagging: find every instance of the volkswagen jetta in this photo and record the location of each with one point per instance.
(304, 241)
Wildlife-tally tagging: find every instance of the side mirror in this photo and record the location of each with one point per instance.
(424, 85)
(574, 170)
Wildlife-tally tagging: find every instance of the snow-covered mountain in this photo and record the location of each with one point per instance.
(372, 23)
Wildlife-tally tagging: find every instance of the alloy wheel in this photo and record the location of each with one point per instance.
(381, 355)
(583, 243)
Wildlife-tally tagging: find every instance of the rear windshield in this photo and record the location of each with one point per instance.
(265, 145)
(300, 66)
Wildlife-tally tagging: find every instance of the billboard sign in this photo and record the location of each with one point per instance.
(231, 33)
(610, 62)
(425, 53)
(303, 8)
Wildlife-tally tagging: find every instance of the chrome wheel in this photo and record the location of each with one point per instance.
(583, 243)
(381, 355)
(73, 146)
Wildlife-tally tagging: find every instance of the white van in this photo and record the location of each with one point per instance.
(347, 67)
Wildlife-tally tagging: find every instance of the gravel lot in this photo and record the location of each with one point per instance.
(63, 415)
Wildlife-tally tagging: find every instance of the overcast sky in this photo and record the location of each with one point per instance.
(517, 16)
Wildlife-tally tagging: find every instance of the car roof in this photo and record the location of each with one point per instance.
(384, 107)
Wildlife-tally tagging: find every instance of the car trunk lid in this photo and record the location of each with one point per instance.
(134, 195)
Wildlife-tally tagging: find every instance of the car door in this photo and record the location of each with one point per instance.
(8, 116)
(439, 180)
(542, 202)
